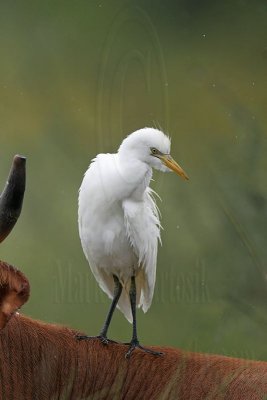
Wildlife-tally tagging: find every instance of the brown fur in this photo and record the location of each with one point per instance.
(43, 361)
(14, 291)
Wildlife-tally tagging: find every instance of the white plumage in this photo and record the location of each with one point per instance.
(119, 222)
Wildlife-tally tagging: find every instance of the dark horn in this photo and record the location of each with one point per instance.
(11, 198)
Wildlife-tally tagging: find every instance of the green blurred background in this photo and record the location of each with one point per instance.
(76, 77)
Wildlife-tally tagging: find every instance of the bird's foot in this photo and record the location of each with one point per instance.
(103, 339)
(136, 345)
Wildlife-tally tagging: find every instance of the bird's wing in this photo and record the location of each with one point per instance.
(142, 224)
(102, 229)
(106, 283)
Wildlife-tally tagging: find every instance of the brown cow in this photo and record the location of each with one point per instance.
(43, 361)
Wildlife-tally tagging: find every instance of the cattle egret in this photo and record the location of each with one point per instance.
(119, 223)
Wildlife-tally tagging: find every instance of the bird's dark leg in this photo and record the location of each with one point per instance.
(103, 333)
(135, 342)
(117, 293)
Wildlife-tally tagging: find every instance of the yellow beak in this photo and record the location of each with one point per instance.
(172, 164)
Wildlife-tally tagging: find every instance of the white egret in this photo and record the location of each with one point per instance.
(119, 223)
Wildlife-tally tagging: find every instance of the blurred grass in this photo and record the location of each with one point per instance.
(75, 79)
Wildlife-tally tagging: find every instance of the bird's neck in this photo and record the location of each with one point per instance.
(135, 173)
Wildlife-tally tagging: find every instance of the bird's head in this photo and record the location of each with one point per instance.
(152, 147)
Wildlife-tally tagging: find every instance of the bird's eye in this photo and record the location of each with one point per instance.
(153, 150)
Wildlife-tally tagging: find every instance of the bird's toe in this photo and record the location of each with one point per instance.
(84, 337)
(136, 345)
(103, 339)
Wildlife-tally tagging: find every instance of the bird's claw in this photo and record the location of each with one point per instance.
(136, 345)
(103, 339)
(84, 337)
